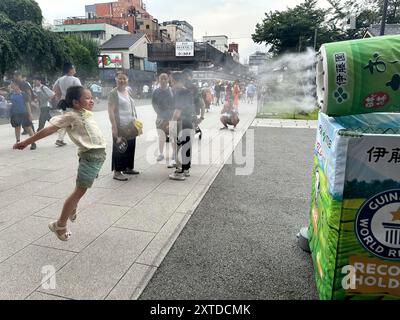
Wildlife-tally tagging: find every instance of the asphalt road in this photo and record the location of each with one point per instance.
(240, 243)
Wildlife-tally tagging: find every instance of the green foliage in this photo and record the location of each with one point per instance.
(294, 29)
(26, 45)
(22, 10)
(83, 52)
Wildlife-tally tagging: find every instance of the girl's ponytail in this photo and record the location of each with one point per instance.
(63, 105)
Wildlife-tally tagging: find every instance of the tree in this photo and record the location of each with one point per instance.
(26, 45)
(294, 29)
(83, 52)
(365, 13)
(22, 10)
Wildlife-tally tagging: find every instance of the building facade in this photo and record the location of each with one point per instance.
(118, 8)
(257, 60)
(101, 32)
(131, 47)
(178, 31)
(234, 51)
(206, 60)
(128, 53)
(219, 42)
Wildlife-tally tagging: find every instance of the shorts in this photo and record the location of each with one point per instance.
(20, 119)
(90, 163)
(162, 124)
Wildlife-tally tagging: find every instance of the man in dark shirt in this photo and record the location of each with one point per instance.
(218, 88)
(199, 106)
(181, 125)
(163, 104)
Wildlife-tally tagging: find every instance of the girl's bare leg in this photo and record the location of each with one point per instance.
(69, 205)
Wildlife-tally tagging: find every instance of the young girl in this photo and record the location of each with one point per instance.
(85, 133)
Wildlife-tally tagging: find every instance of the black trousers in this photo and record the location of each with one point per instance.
(126, 160)
(44, 116)
(185, 144)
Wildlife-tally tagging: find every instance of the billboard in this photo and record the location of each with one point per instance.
(109, 60)
(354, 229)
(184, 49)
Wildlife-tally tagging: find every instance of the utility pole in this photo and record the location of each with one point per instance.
(384, 14)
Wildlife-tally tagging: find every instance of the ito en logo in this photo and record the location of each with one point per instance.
(378, 225)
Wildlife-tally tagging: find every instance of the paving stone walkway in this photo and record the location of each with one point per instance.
(124, 229)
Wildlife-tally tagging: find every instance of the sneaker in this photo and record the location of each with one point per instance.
(172, 164)
(60, 143)
(186, 173)
(160, 157)
(180, 176)
(33, 146)
(131, 171)
(223, 128)
(119, 176)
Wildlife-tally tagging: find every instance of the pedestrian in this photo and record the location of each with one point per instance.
(95, 88)
(207, 97)
(163, 104)
(198, 102)
(236, 94)
(181, 125)
(122, 114)
(26, 88)
(60, 88)
(218, 89)
(43, 96)
(228, 94)
(250, 92)
(21, 112)
(145, 90)
(85, 133)
(229, 116)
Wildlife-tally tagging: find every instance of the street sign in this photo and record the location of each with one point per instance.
(184, 49)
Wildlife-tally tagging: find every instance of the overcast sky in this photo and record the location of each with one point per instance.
(234, 18)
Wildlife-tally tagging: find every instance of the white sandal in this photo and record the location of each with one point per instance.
(73, 216)
(53, 226)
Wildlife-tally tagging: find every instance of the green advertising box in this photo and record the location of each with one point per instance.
(359, 76)
(354, 231)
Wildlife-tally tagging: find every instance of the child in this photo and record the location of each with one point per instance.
(85, 133)
(21, 113)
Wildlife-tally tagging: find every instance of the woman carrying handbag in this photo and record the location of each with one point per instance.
(125, 129)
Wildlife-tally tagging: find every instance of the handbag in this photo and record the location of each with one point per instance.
(139, 126)
(133, 128)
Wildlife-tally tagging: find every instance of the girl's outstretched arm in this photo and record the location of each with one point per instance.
(50, 129)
